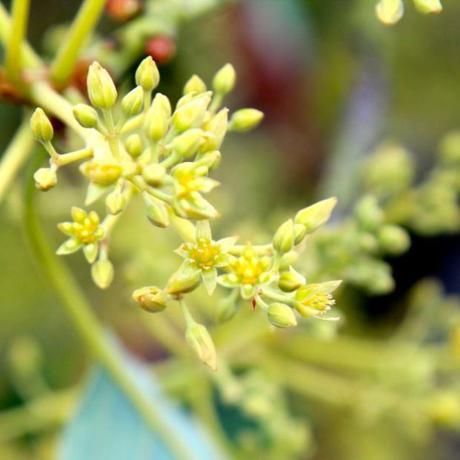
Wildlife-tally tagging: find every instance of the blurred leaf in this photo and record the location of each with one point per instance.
(107, 427)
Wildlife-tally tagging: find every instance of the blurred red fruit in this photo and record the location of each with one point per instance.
(123, 10)
(162, 48)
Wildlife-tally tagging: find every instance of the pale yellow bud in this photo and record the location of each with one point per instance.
(315, 215)
(133, 102)
(42, 129)
(200, 341)
(151, 299)
(85, 115)
(290, 280)
(101, 89)
(389, 11)
(115, 202)
(187, 144)
(134, 145)
(393, 239)
(195, 85)
(157, 212)
(158, 116)
(245, 119)
(154, 174)
(191, 113)
(102, 273)
(224, 80)
(428, 6)
(281, 315)
(147, 75)
(283, 239)
(45, 179)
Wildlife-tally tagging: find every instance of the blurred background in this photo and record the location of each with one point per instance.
(334, 84)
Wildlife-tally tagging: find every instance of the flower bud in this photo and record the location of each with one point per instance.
(157, 212)
(154, 174)
(151, 299)
(188, 142)
(102, 273)
(428, 6)
(450, 149)
(200, 341)
(389, 11)
(42, 129)
(393, 239)
(227, 308)
(191, 113)
(288, 259)
(147, 75)
(245, 119)
(45, 179)
(115, 202)
(134, 145)
(195, 85)
(157, 119)
(290, 280)
(210, 159)
(186, 279)
(281, 315)
(101, 173)
(133, 102)
(224, 80)
(216, 128)
(369, 213)
(300, 231)
(85, 115)
(283, 240)
(315, 215)
(101, 89)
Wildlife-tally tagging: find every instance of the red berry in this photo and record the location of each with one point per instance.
(162, 48)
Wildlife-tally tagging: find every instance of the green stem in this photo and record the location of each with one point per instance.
(82, 27)
(30, 58)
(13, 53)
(15, 156)
(75, 305)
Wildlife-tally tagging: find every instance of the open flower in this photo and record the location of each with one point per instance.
(206, 255)
(315, 299)
(84, 232)
(247, 272)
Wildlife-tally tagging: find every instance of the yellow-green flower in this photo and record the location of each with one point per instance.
(315, 299)
(85, 231)
(247, 272)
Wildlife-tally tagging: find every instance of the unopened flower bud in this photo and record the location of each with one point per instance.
(369, 213)
(224, 80)
(147, 75)
(101, 89)
(186, 279)
(151, 298)
(154, 174)
(133, 102)
(134, 145)
(428, 6)
(42, 129)
(157, 212)
(187, 144)
(210, 159)
(450, 149)
(283, 239)
(393, 239)
(102, 273)
(157, 119)
(85, 115)
(195, 85)
(45, 179)
(290, 280)
(281, 315)
(200, 341)
(115, 202)
(101, 173)
(288, 259)
(245, 119)
(300, 231)
(315, 215)
(216, 128)
(389, 11)
(191, 113)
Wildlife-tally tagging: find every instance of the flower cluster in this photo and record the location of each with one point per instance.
(389, 12)
(140, 145)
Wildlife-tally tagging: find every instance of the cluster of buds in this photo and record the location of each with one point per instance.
(139, 145)
(389, 12)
